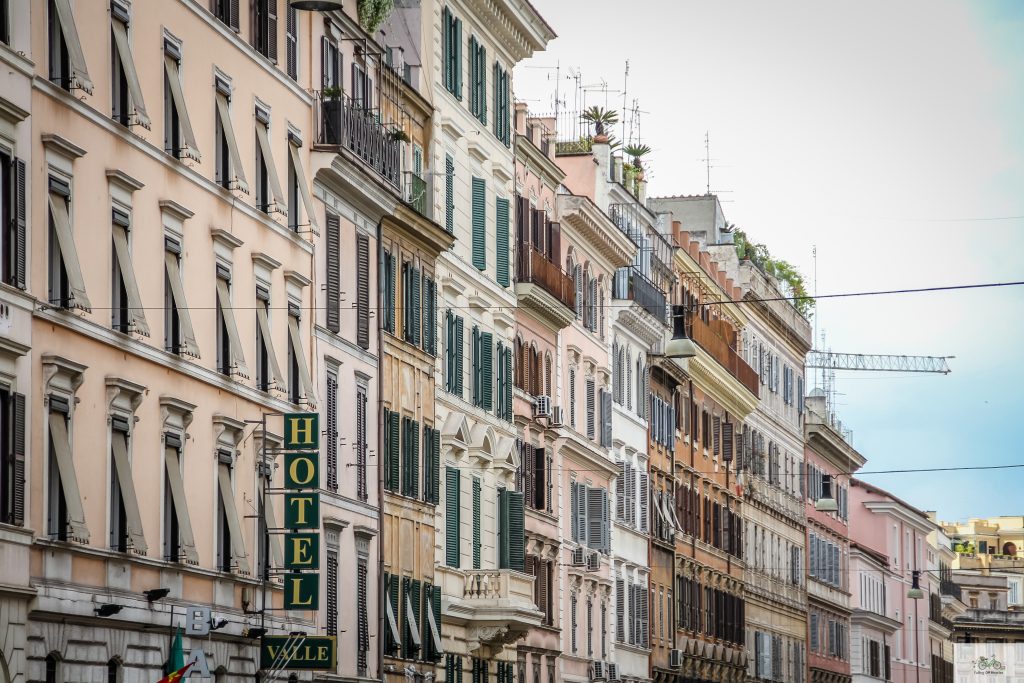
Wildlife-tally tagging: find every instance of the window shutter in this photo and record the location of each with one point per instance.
(457, 80)
(393, 453)
(452, 511)
(716, 434)
(414, 478)
(479, 223)
(417, 305)
(620, 493)
(573, 504)
(389, 305)
(620, 610)
(333, 273)
(233, 19)
(581, 513)
(362, 292)
(435, 465)
(476, 523)
(18, 421)
(590, 407)
(474, 66)
(459, 352)
(20, 224)
(508, 384)
(291, 42)
(272, 30)
(486, 370)
(606, 419)
(594, 512)
(644, 498)
(449, 194)
(446, 46)
(332, 432)
(513, 530)
(501, 246)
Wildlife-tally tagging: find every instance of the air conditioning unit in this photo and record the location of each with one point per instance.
(578, 559)
(597, 671)
(675, 659)
(542, 406)
(557, 416)
(594, 562)
(613, 671)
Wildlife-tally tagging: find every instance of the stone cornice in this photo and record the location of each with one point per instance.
(533, 157)
(719, 382)
(684, 264)
(594, 229)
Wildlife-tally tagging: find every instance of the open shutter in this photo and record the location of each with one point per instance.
(333, 257)
(452, 509)
(363, 291)
(18, 443)
(620, 610)
(594, 512)
(606, 419)
(460, 348)
(449, 194)
(513, 532)
(620, 493)
(501, 244)
(272, 30)
(476, 523)
(479, 223)
(580, 512)
(486, 370)
(393, 449)
(20, 224)
(644, 499)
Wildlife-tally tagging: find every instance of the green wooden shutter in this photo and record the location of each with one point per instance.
(508, 385)
(476, 365)
(483, 85)
(446, 46)
(479, 223)
(452, 514)
(449, 194)
(435, 607)
(449, 350)
(391, 584)
(473, 95)
(400, 616)
(429, 316)
(499, 405)
(416, 305)
(390, 304)
(388, 482)
(414, 478)
(513, 540)
(501, 245)
(476, 523)
(458, 59)
(459, 353)
(393, 450)
(486, 371)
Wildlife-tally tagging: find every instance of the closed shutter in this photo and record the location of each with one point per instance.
(332, 432)
(590, 407)
(479, 223)
(476, 523)
(417, 304)
(508, 385)
(20, 224)
(363, 291)
(291, 43)
(644, 498)
(727, 441)
(414, 478)
(620, 610)
(459, 352)
(449, 194)
(573, 503)
(272, 30)
(393, 452)
(457, 67)
(513, 530)
(620, 493)
(361, 472)
(716, 434)
(501, 243)
(606, 419)
(435, 465)
(430, 316)
(486, 370)
(332, 593)
(595, 532)
(580, 512)
(333, 257)
(18, 452)
(452, 513)
(362, 609)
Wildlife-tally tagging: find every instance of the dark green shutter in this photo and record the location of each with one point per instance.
(452, 513)
(435, 465)
(449, 351)
(476, 365)
(479, 223)
(459, 352)
(400, 617)
(414, 478)
(388, 482)
(391, 588)
(435, 607)
(499, 405)
(513, 540)
(482, 115)
(472, 75)
(508, 385)
(458, 59)
(476, 523)
(415, 306)
(446, 46)
(501, 246)
(417, 608)
(393, 450)
(429, 316)
(486, 371)
(449, 194)
(389, 305)
(18, 451)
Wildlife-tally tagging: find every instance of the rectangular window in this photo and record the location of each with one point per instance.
(230, 172)
(511, 529)
(483, 377)
(269, 195)
(12, 457)
(479, 223)
(478, 80)
(264, 28)
(501, 249)
(65, 515)
(66, 59)
(128, 314)
(451, 52)
(179, 139)
(227, 12)
(300, 383)
(410, 457)
(291, 44)
(230, 359)
(125, 521)
(268, 372)
(363, 615)
(5, 22)
(66, 283)
(127, 107)
(179, 337)
(231, 555)
(178, 540)
(13, 224)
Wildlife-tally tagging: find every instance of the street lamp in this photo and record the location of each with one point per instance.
(680, 346)
(826, 503)
(108, 610)
(316, 5)
(915, 592)
(154, 594)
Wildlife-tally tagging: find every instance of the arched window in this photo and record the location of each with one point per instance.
(616, 373)
(547, 375)
(629, 379)
(52, 667)
(113, 671)
(535, 377)
(519, 362)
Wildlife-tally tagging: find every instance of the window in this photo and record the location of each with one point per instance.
(291, 44)
(479, 223)
(411, 303)
(572, 397)
(125, 521)
(298, 189)
(392, 439)
(410, 457)
(429, 315)
(431, 465)
(231, 553)
(269, 195)
(113, 671)
(127, 107)
(572, 626)
(127, 312)
(5, 22)
(511, 530)
(300, 383)
(230, 174)
(451, 52)
(66, 284)
(483, 347)
(178, 335)
(227, 12)
(178, 540)
(478, 80)
(590, 523)
(331, 410)
(13, 225)
(264, 28)
(502, 99)
(363, 618)
(12, 457)
(66, 60)
(52, 668)
(230, 359)
(179, 140)
(362, 87)
(268, 372)
(66, 518)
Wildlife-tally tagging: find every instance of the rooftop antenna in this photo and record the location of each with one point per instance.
(625, 90)
(707, 160)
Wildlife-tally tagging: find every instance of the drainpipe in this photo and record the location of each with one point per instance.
(382, 597)
(693, 478)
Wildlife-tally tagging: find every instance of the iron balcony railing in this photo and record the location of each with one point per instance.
(346, 123)
(631, 284)
(709, 340)
(416, 194)
(534, 266)
(951, 588)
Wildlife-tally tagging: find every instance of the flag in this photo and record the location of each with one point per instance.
(176, 658)
(176, 676)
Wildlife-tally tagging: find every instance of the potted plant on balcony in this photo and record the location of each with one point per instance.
(601, 118)
(398, 135)
(331, 106)
(637, 152)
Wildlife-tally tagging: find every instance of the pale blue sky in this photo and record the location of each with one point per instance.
(868, 129)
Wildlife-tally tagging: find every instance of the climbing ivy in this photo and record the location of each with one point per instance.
(373, 13)
(778, 268)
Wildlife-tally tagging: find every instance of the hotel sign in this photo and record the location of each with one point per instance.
(302, 652)
(302, 522)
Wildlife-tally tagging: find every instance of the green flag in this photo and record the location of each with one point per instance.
(176, 658)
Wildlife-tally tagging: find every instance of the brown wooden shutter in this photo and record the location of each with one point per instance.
(555, 242)
(272, 29)
(20, 224)
(543, 589)
(18, 508)
(333, 273)
(363, 291)
(233, 19)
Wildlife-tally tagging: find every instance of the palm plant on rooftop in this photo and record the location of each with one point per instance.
(637, 152)
(601, 118)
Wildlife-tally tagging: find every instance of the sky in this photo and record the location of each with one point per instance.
(888, 137)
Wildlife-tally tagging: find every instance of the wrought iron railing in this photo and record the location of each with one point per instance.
(631, 284)
(345, 122)
(535, 267)
(719, 348)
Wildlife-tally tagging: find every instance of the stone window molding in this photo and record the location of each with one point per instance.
(176, 415)
(333, 529)
(227, 433)
(123, 398)
(61, 375)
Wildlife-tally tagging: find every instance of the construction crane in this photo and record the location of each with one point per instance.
(831, 360)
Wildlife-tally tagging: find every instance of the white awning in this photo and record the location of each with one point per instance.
(189, 346)
(68, 251)
(68, 479)
(263, 320)
(300, 360)
(410, 620)
(280, 200)
(237, 169)
(186, 541)
(300, 180)
(136, 536)
(76, 58)
(238, 555)
(136, 313)
(234, 341)
(190, 149)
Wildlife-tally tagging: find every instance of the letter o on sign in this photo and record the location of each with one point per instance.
(301, 471)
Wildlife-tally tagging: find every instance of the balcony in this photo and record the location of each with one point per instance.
(631, 284)
(495, 605)
(543, 287)
(718, 348)
(342, 122)
(416, 194)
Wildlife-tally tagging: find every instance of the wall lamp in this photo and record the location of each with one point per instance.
(217, 625)
(108, 610)
(154, 594)
(255, 632)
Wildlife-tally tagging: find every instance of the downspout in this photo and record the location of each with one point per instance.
(693, 478)
(381, 592)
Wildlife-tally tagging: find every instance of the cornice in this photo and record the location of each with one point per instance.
(829, 444)
(591, 454)
(413, 226)
(728, 391)
(531, 156)
(685, 263)
(594, 229)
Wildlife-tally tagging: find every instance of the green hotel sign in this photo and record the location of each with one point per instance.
(314, 653)
(302, 541)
